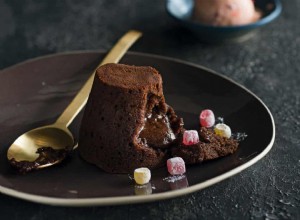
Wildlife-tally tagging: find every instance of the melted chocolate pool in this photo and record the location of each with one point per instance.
(157, 131)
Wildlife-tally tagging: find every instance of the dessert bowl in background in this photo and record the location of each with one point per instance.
(184, 11)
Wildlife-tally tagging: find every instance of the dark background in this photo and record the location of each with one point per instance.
(268, 64)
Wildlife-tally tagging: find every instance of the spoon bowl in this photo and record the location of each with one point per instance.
(25, 147)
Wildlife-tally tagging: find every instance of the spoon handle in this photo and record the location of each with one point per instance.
(114, 56)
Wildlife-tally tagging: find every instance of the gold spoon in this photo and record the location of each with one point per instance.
(57, 136)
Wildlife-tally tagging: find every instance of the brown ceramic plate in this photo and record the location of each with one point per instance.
(35, 92)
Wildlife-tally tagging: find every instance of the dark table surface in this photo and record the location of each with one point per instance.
(268, 64)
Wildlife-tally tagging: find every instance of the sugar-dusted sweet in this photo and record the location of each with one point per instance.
(223, 130)
(207, 118)
(190, 137)
(142, 175)
(176, 166)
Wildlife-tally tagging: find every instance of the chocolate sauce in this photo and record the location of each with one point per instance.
(47, 155)
(157, 131)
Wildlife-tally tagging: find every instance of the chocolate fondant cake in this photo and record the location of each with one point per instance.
(126, 123)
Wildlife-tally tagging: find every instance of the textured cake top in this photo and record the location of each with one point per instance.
(130, 77)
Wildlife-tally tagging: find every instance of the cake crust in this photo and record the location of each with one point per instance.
(121, 98)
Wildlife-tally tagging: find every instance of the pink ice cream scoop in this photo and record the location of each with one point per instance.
(225, 12)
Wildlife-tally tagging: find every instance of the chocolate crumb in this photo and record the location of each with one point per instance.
(211, 146)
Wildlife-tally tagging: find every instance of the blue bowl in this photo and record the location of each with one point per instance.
(182, 11)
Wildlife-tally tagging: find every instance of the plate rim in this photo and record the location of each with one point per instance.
(132, 199)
